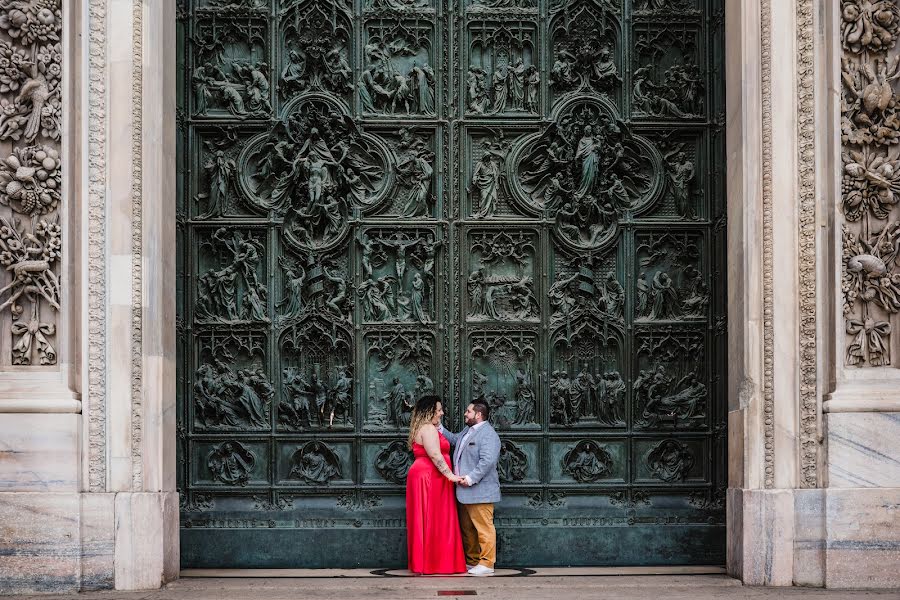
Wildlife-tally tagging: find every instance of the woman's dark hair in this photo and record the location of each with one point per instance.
(426, 402)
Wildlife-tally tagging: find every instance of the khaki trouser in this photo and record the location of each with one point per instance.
(479, 538)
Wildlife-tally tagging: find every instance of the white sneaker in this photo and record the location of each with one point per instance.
(469, 567)
(480, 571)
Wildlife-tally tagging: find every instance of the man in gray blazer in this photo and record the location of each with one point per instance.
(476, 450)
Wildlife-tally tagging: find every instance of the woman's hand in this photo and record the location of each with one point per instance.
(454, 478)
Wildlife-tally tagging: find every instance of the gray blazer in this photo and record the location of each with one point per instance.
(479, 461)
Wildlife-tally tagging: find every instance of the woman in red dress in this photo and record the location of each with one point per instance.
(433, 538)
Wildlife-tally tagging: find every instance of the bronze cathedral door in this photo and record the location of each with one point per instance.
(516, 200)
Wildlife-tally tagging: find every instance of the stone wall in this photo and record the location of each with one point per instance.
(86, 431)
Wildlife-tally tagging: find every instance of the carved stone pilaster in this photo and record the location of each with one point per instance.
(870, 133)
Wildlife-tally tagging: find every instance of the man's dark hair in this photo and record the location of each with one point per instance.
(482, 408)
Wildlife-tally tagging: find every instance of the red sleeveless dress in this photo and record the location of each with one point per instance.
(433, 539)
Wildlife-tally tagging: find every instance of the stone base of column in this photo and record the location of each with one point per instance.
(838, 538)
(69, 542)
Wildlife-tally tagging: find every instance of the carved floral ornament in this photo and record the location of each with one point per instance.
(31, 175)
(870, 133)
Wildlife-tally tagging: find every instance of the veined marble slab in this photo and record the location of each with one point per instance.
(863, 450)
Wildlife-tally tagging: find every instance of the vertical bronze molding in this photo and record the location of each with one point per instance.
(97, 13)
(806, 163)
(137, 300)
(768, 309)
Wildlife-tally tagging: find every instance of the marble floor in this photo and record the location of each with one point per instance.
(555, 584)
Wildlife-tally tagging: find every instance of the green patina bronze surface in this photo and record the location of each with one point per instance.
(515, 200)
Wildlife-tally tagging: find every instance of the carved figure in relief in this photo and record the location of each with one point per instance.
(417, 300)
(393, 462)
(512, 463)
(253, 394)
(297, 410)
(257, 86)
(342, 394)
(423, 80)
(416, 173)
(670, 461)
(338, 296)
(213, 407)
(681, 177)
(424, 386)
(532, 85)
(315, 463)
(291, 303)
(587, 462)
(664, 298)
(655, 389)
(516, 78)
(399, 403)
(500, 87)
(476, 84)
(613, 296)
(561, 72)
(523, 300)
(561, 299)
(221, 172)
(217, 288)
(678, 95)
(562, 409)
(697, 300)
(609, 398)
(231, 463)
(525, 398)
(385, 85)
(486, 178)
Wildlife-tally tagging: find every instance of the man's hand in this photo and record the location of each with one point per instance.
(463, 482)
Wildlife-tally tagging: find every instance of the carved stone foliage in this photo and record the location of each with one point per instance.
(501, 281)
(31, 176)
(503, 376)
(670, 461)
(230, 74)
(393, 461)
(315, 463)
(231, 390)
(316, 385)
(585, 171)
(670, 279)
(512, 466)
(668, 81)
(399, 282)
(399, 371)
(503, 76)
(588, 462)
(670, 389)
(398, 77)
(870, 132)
(316, 53)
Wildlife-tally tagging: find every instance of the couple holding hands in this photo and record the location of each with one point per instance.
(450, 504)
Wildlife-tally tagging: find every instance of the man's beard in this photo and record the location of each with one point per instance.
(470, 422)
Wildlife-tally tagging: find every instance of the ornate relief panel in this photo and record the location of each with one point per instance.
(513, 200)
(31, 230)
(870, 279)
